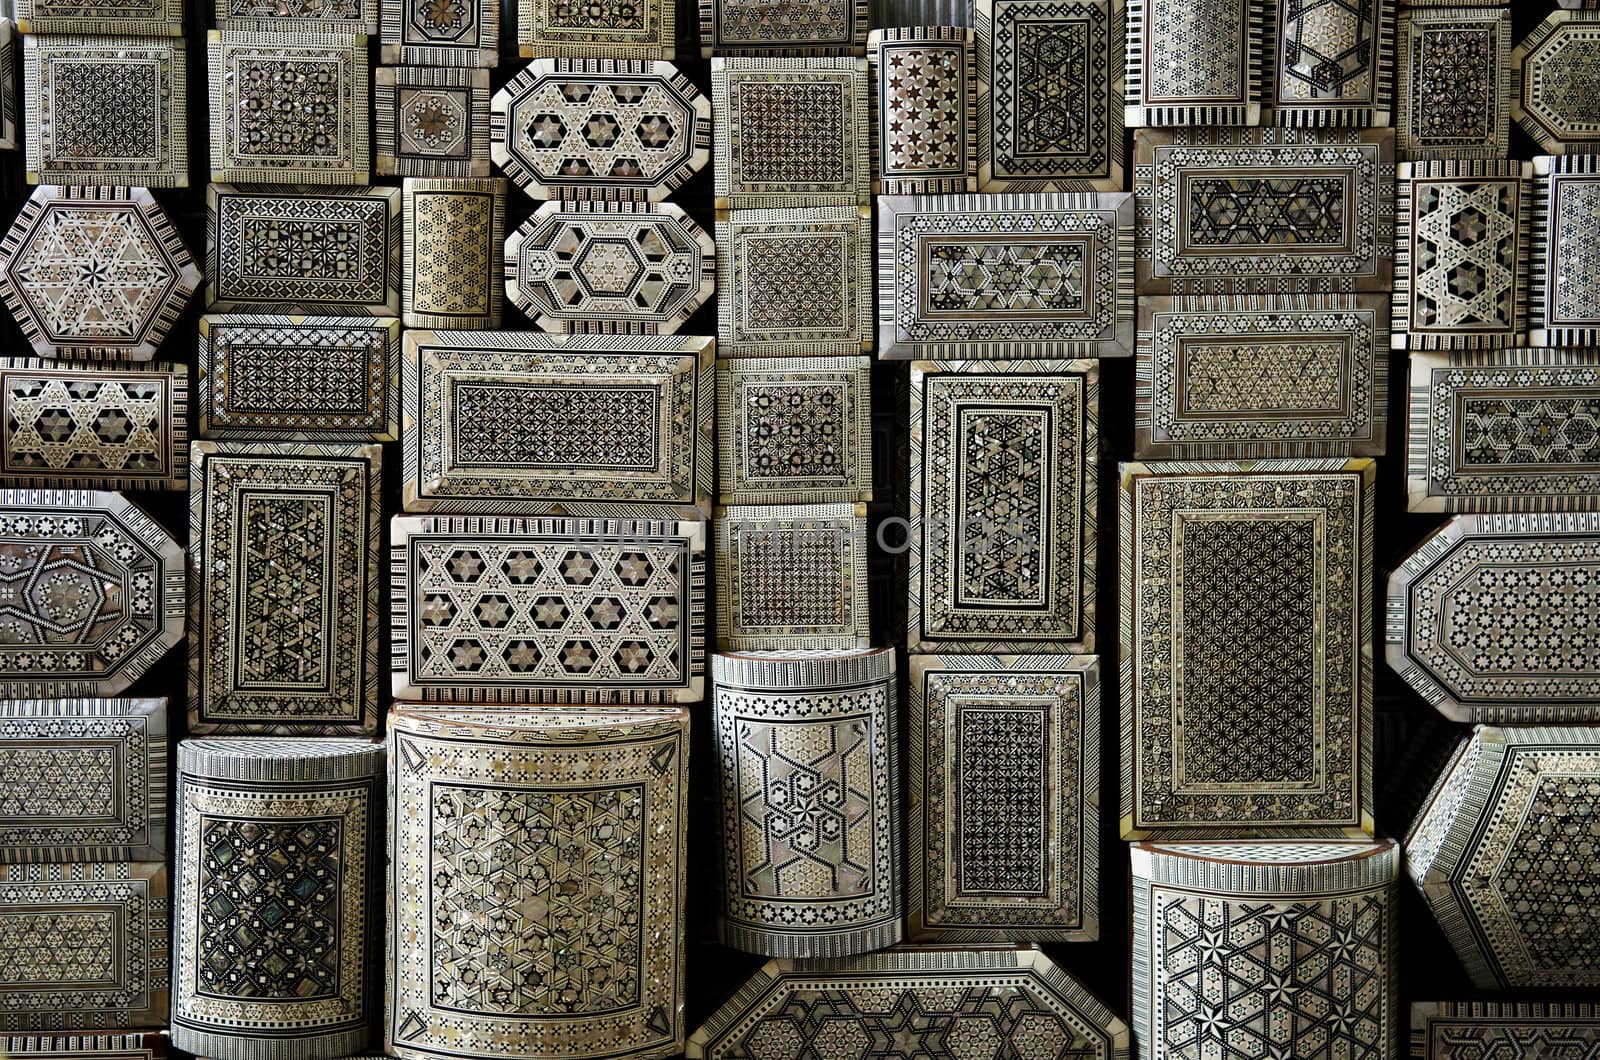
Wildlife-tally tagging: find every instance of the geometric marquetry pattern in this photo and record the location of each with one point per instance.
(454, 232)
(1564, 252)
(923, 83)
(791, 576)
(1554, 75)
(810, 801)
(794, 430)
(1332, 62)
(1453, 98)
(1194, 64)
(613, 29)
(431, 122)
(95, 273)
(1503, 1030)
(453, 33)
(798, 27)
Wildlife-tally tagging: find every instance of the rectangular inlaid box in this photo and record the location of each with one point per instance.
(1005, 276)
(101, 427)
(295, 378)
(1329, 65)
(1005, 798)
(1564, 273)
(602, 29)
(1003, 488)
(924, 107)
(1246, 670)
(137, 18)
(1453, 73)
(85, 780)
(1233, 377)
(440, 33)
(791, 132)
(346, 242)
(529, 610)
(298, 16)
(106, 110)
(1504, 431)
(792, 576)
(283, 588)
(116, 972)
(8, 86)
(1320, 216)
(1050, 95)
(508, 422)
(794, 283)
(1478, 1030)
(455, 229)
(431, 121)
(1461, 254)
(805, 27)
(1195, 64)
(289, 107)
(794, 430)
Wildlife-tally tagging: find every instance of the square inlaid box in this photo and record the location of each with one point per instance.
(803, 27)
(345, 258)
(1050, 95)
(792, 576)
(1232, 376)
(298, 16)
(106, 110)
(794, 282)
(795, 430)
(1005, 798)
(440, 33)
(1461, 273)
(85, 779)
(455, 229)
(431, 121)
(508, 421)
(1504, 431)
(289, 107)
(117, 970)
(1329, 64)
(1564, 272)
(1320, 213)
(1477, 1030)
(600, 29)
(1192, 64)
(548, 610)
(924, 109)
(291, 378)
(134, 18)
(1246, 670)
(791, 132)
(101, 427)
(1453, 98)
(1003, 487)
(1001, 276)
(283, 588)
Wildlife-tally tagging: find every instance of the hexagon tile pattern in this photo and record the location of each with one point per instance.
(95, 272)
(1504, 853)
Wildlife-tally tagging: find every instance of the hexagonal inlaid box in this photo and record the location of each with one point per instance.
(1504, 852)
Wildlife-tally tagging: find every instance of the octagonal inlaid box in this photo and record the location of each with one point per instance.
(1195, 64)
(1504, 431)
(116, 971)
(553, 610)
(915, 994)
(454, 233)
(104, 426)
(106, 110)
(1320, 213)
(1232, 376)
(460, 33)
(584, 813)
(1499, 854)
(794, 430)
(1552, 82)
(1246, 670)
(823, 883)
(1003, 534)
(85, 780)
(1050, 95)
(431, 121)
(115, 598)
(1477, 1030)
(95, 273)
(346, 259)
(599, 129)
(792, 576)
(277, 887)
(1005, 276)
(791, 132)
(1564, 242)
(1461, 275)
(507, 422)
(1453, 97)
(794, 283)
(1462, 605)
(297, 378)
(1288, 948)
(1005, 798)
(610, 267)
